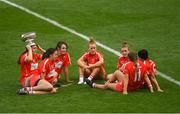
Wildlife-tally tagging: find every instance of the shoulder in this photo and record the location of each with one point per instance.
(86, 54)
(45, 61)
(22, 57)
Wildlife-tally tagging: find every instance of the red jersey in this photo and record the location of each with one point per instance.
(151, 66)
(122, 60)
(62, 61)
(29, 68)
(135, 79)
(48, 67)
(91, 59)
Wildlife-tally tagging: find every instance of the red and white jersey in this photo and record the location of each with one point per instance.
(48, 67)
(122, 60)
(151, 66)
(136, 80)
(62, 61)
(29, 68)
(91, 59)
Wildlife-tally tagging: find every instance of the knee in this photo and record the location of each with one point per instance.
(50, 87)
(117, 72)
(109, 76)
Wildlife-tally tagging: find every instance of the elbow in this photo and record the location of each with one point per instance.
(102, 61)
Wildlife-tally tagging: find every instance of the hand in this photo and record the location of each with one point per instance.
(86, 67)
(28, 47)
(38, 46)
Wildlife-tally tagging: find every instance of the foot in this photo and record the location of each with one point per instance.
(89, 82)
(54, 90)
(80, 82)
(160, 90)
(22, 91)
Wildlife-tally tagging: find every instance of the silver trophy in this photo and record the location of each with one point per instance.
(28, 37)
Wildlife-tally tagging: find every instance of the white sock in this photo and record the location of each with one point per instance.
(90, 78)
(29, 88)
(81, 79)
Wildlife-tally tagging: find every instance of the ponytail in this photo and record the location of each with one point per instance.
(92, 41)
(133, 57)
(125, 44)
(48, 52)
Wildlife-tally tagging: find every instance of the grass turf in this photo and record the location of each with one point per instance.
(151, 24)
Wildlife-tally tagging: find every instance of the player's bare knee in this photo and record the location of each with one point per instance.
(50, 87)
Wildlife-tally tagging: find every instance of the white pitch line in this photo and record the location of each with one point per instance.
(55, 23)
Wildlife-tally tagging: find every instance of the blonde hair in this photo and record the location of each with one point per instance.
(92, 41)
(125, 44)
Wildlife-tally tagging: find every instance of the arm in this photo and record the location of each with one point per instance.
(149, 83)
(97, 64)
(30, 56)
(40, 49)
(66, 73)
(126, 80)
(80, 62)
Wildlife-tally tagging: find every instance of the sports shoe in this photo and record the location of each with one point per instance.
(22, 91)
(80, 82)
(89, 82)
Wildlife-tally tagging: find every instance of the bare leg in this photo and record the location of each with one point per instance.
(94, 73)
(54, 90)
(112, 86)
(87, 72)
(43, 85)
(119, 75)
(103, 72)
(109, 76)
(153, 79)
(100, 86)
(81, 71)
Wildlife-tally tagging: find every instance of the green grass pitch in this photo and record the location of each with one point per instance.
(150, 24)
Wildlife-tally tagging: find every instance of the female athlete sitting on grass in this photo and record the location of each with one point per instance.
(134, 73)
(47, 67)
(151, 67)
(30, 77)
(63, 60)
(122, 59)
(91, 64)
